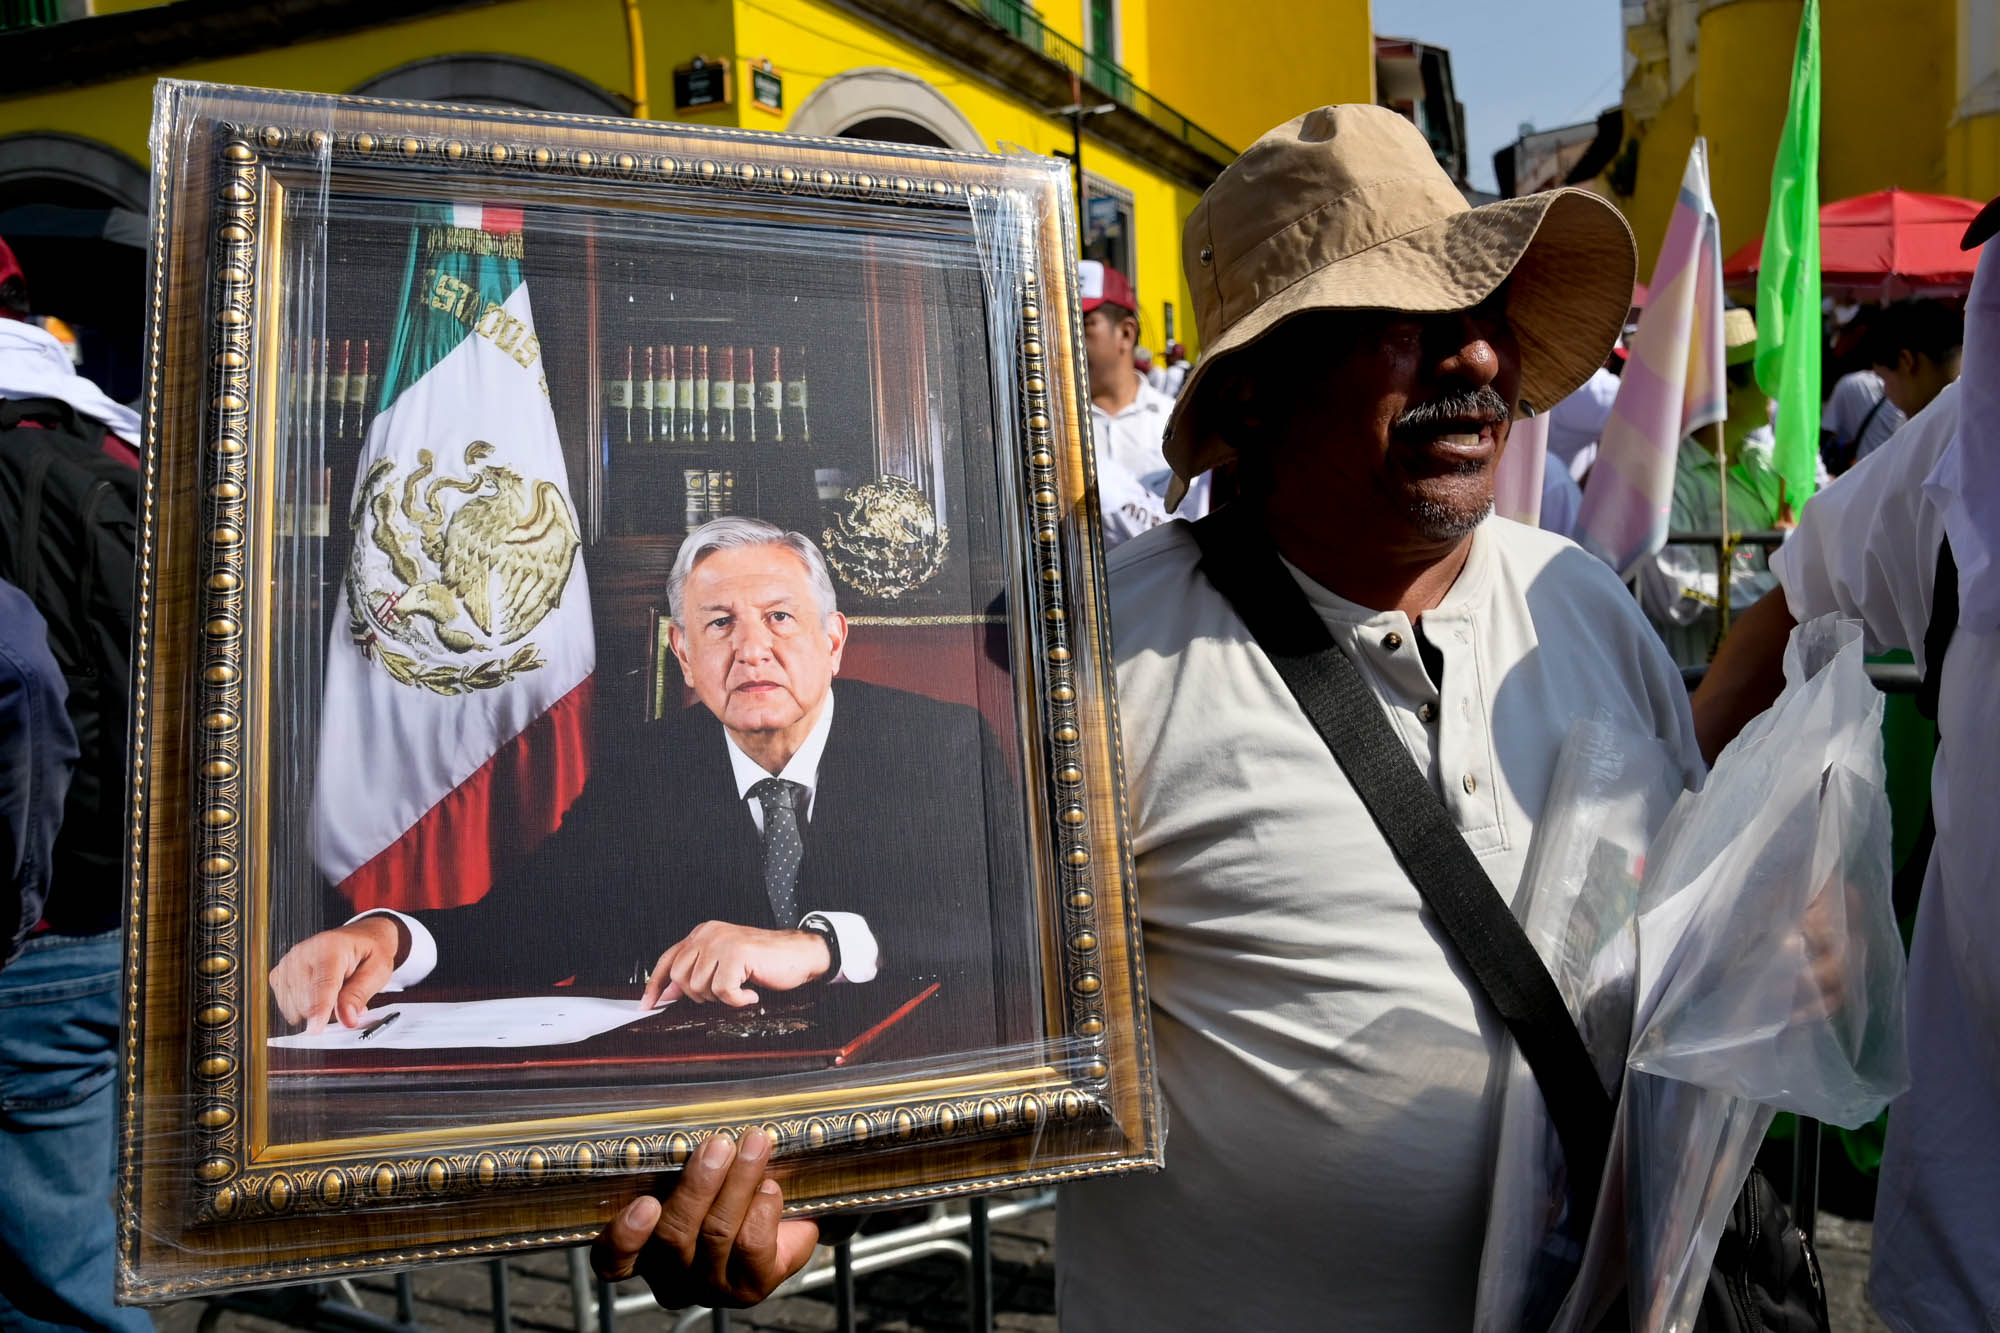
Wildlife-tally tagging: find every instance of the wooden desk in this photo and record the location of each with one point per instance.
(700, 1051)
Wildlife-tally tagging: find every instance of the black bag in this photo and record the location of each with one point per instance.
(1766, 1278)
(68, 531)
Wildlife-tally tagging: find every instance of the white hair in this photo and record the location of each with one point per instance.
(736, 530)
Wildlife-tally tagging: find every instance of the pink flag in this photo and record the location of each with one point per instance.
(1673, 385)
(1517, 482)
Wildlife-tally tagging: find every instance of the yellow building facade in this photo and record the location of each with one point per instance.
(1166, 95)
(1909, 96)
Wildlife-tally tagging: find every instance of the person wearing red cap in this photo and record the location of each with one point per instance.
(1127, 415)
(13, 285)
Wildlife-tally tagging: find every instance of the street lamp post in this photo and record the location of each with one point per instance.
(1076, 113)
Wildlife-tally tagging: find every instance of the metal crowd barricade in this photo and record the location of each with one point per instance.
(1725, 545)
(938, 1233)
(336, 1307)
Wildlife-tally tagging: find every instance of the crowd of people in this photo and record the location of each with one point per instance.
(1327, 1061)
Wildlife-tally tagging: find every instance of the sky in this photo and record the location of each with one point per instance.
(1547, 62)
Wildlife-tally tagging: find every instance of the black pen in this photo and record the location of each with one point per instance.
(379, 1026)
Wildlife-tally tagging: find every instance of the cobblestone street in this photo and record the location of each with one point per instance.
(927, 1295)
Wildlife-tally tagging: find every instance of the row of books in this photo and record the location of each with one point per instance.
(694, 394)
(710, 493)
(333, 378)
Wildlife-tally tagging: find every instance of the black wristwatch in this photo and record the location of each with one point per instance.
(820, 926)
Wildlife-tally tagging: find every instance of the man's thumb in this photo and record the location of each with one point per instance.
(369, 977)
(616, 1252)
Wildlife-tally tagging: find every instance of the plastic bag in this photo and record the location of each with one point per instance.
(1770, 976)
(1776, 972)
(1577, 901)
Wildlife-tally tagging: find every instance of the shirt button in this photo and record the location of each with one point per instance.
(1392, 641)
(1427, 713)
(1471, 784)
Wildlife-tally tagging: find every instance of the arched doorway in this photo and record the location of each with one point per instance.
(888, 104)
(73, 210)
(894, 129)
(479, 79)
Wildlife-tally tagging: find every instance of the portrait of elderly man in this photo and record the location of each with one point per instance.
(789, 830)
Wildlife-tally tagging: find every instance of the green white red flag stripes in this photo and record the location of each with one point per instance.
(454, 726)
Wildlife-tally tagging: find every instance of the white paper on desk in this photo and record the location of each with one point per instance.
(536, 1020)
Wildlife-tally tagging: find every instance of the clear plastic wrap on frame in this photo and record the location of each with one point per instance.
(443, 751)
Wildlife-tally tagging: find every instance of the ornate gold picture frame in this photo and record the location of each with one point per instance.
(386, 500)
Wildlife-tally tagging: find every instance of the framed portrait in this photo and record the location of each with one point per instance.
(621, 659)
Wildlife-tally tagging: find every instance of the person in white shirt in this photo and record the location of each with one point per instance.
(1175, 371)
(1127, 414)
(1857, 418)
(1871, 546)
(1914, 347)
(1576, 422)
(1562, 501)
(1327, 1066)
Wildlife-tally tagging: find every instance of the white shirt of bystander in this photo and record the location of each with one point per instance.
(1132, 472)
(1867, 547)
(1577, 421)
(1857, 407)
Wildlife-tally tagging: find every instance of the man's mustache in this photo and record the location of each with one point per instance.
(1483, 405)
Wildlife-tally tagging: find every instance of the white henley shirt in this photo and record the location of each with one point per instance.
(1329, 1075)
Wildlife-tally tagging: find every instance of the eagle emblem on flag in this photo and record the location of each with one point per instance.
(451, 566)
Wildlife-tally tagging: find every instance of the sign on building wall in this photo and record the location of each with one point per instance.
(701, 83)
(767, 86)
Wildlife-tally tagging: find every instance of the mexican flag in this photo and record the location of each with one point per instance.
(453, 731)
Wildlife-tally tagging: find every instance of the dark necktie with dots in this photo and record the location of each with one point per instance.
(782, 849)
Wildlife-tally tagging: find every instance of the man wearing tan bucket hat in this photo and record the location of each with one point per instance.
(1328, 1069)
(1327, 1060)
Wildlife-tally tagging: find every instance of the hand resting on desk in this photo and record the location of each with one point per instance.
(334, 974)
(720, 962)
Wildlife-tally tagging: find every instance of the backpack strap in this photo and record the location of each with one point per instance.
(1861, 431)
(1240, 561)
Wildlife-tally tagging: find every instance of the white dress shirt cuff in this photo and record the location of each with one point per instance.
(860, 955)
(423, 955)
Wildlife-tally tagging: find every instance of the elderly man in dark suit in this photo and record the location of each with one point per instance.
(791, 831)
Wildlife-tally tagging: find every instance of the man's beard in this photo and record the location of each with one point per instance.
(1432, 503)
(1446, 522)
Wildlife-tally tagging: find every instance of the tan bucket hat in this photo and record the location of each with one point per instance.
(1346, 208)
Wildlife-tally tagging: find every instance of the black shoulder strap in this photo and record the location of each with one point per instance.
(1866, 422)
(1242, 564)
(1944, 624)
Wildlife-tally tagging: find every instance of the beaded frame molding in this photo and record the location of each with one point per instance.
(205, 1202)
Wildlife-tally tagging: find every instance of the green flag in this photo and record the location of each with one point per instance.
(1788, 325)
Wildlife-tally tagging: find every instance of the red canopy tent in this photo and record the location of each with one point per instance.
(1883, 247)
